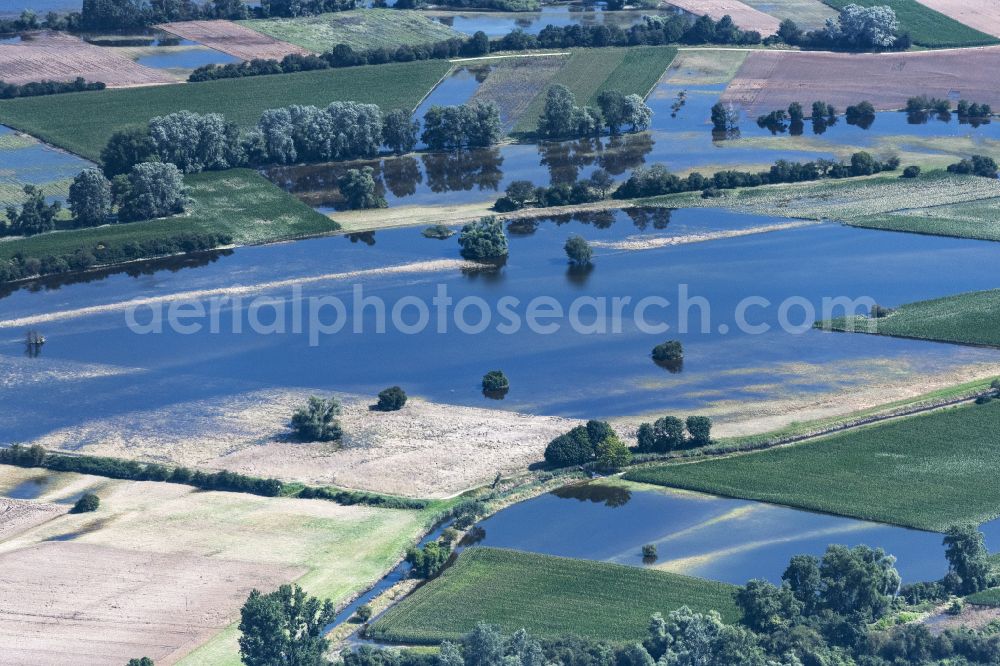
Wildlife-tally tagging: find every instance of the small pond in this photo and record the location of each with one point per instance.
(701, 535)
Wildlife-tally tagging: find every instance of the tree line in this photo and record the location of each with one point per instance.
(297, 133)
(831, 610)
(653, 31)
(37, 88)
(120, 15)
(131, 470)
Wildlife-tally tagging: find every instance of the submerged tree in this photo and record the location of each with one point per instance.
(578, 250)
(359, 189)
(483, 240)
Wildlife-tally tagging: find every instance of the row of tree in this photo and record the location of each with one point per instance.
(596, 442)
(657, 180)
(561, 118)
(669, 433)
(37, 88)
(855, 28)
(121, 15)
(977, 165)
(104, 252)
(825, 611)
(341, 131)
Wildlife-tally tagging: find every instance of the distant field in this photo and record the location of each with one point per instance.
(548, 596)
(588, 72)
(359, 29)
(807, 14)
(742, 14)
(971, 219)
(514, 83)
(232, 38)
(978, 14)
(929, 471)
(83, 122)
(926, 26)
(770, 80)
(972, 318)
(240, 202)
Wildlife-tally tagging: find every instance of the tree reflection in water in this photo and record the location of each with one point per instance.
(610, 496)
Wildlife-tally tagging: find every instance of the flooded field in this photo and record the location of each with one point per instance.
(26, 161)
(701, 535)
(92, 358)
(498, 24)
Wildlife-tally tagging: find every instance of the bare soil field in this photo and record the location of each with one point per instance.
(18, 516)
(234, 39)
(423, 450)
(135, 603)
(770, 80)
(743, 15)
(983, 15)
(168, 567)
(61, 57)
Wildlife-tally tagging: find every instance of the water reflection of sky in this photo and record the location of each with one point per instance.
(547, 372)
(36, 163)
(713, 537)
(498, 24)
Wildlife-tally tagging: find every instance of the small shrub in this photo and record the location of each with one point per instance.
(363, 613)
(649, 552)
(391, 399)
(89, 502)
(438, 231)
(911, 172)
(984, 399)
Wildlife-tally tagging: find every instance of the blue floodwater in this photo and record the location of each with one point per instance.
(701, 535)
(680, 138)
(567, 373)
(498, 24)
(37, 164)
(188, 59)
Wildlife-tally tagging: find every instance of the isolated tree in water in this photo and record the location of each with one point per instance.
(317, 421)
(359, 190)
(578, 250)
(483, 240)
(284, 628)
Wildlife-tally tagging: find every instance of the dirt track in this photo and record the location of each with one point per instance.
(234, 39)
(770, 80)
(57, 56)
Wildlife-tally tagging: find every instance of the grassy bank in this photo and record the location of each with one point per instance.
(972, 318)
(548, 596)
(83, 122)
(588, 72)
(926, 27)
(238, 202)
(928, 471)
(970, 219)
(360, 29)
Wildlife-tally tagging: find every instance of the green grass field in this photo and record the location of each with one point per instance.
(588, 72)
(972, 318)
(928, 471)
(359, 29)
(83, 122)
(990, 597)
(970, 219)
(807, 14)
(926, 27)
(548, 596)
(239, 202)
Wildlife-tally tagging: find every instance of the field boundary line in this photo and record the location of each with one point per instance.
(792, 440)
(514, 55)
(433, 88)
